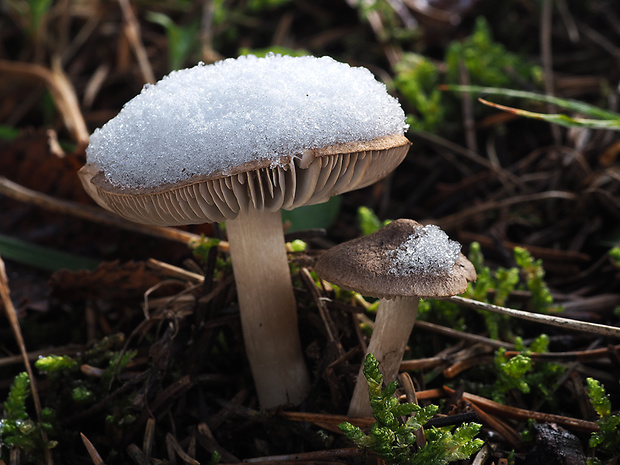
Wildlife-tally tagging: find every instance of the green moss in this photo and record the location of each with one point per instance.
(416, 79)
(368, 221)
(17, 430)
(55, 363)
(522, 373)
(607, 439)
(395, 441)
(542, 301)
(487, 62)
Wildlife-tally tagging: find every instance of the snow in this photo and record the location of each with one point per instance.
(211, 118)
(427, 252)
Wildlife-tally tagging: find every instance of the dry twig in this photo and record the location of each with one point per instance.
(11, 314)
(132, 30)
(307, 457)
(61, 89)
(506, 411)
(456, 219)
(596, 328)
(95, 214)
(92, 451)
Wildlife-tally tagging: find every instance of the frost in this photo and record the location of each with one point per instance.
(211, 118)
(427, 252)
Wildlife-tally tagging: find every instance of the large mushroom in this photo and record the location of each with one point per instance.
(238, 141)
(399, 264)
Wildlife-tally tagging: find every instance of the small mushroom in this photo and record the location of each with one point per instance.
(238, 141)
(399, 264)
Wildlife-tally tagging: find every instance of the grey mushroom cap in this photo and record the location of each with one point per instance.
(363, 265)
(311, 178)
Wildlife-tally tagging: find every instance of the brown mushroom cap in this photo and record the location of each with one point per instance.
(312, 178)
(363, 265)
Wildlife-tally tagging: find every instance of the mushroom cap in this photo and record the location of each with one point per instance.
(209, 142)
(364, 265)
(310, 179)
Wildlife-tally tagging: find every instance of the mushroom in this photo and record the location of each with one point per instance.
(238, 141)
(399, 264)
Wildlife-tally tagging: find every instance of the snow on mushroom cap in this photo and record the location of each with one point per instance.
(428, 251)
(212, 118)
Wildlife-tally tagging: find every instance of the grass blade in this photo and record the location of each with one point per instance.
(558, 118)
(42, 257)
(604, 119)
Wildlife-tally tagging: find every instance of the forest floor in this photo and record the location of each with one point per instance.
(155, 369)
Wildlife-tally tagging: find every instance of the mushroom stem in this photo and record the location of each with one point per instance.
(268, 308)
(393, 325)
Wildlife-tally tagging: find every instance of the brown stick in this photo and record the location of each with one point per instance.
(61, 89)
(330, 327)
(470, 337)
(174, 271)
(311, 456)
(362, 422)
(92, 451)
(95, 214)
(495, 423)
(133, 35)
(63, 350)
(577, 325)
(11, 314)
(546, 57)
(506, 411)
(450, 221)
(572, 356)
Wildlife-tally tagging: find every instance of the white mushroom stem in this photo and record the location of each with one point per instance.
(393, 325)
(268, 308)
